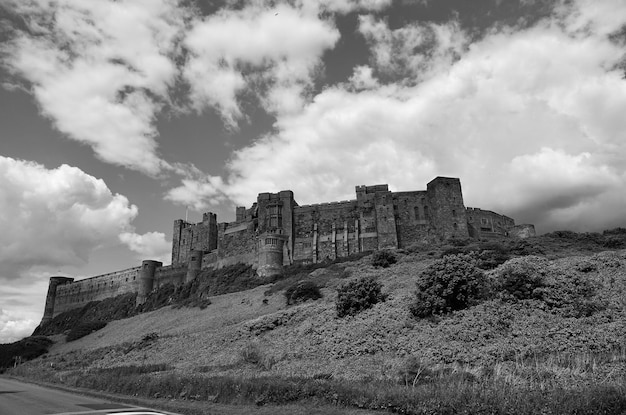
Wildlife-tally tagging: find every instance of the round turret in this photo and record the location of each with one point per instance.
(146, 279)
(271, 247)
(55, 281)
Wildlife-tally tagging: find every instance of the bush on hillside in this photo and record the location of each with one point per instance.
(571, 295)
(490, 255)
(302, 291)
(567, 293)
(383, 259)
(451, 283)
(517, 284)
(23, 350)
(358, 295)
(84, 329)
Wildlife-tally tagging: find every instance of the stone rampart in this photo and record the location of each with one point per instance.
(486, 223)
(100, 287)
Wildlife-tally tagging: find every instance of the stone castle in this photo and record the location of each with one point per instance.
(276, 231)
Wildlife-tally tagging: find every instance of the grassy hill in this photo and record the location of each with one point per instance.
(558, 347)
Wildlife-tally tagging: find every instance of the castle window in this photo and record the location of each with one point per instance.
(484, 221)
(417, 213)
(276, 216)
(426, 212)
(455, 226)
(453, 212)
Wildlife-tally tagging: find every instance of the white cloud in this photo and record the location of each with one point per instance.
(591, 16)
(100, 71)
(363, 78)
(14, 327)
(55, 217)
(150, 245)
(345, 6)
(531, 121)
(415, 51)
(197, 190)
(271, 52)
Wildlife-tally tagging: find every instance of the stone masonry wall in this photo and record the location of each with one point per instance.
(412, 218)
(237, 240)
(325, 231)
(485, 223)
(96, 288)
(169, 275)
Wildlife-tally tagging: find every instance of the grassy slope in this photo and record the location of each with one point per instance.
(239, 334)
(300, 340)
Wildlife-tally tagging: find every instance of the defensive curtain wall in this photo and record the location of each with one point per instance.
(276, 231)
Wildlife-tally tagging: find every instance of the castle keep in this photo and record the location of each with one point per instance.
(276, 231)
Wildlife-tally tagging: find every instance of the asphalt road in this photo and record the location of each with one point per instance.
(17, 398)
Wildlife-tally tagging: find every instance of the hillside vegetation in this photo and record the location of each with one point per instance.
(503, 326)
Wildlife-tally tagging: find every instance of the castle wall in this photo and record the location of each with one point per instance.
(169, 275)
(325, 231)
(237, 243)
(522, 231)
(485, 223)
(79, 293)
(51, 296)
(412, 218)
(448, 215)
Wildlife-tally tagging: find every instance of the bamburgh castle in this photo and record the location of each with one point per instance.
(276, 231)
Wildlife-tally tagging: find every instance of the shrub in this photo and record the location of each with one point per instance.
(84, 329)
(612, 242)
(302, 291)
(451, 283)
(520, 284)
(23, 350)
(492, 255)
(383, 259)
(571, 296)
(358, 295)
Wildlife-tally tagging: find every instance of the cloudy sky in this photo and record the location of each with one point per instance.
(116, 115)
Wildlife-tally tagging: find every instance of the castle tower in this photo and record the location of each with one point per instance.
(177, 238)
(146, 279)
(209, 221)
(275, 215)
(48, 312)
(447, 211)
(271, 246)
(194, 265)
(377, 215)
